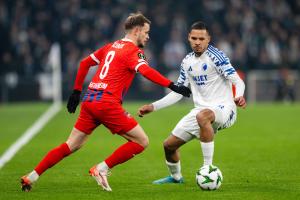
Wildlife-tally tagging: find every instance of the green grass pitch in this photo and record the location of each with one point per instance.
(259, 157)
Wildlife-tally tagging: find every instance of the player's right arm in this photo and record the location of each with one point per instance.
(84, 66)
(225, 68)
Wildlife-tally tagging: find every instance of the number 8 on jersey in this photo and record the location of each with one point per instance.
(108, 59)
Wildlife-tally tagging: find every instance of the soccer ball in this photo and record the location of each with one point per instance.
(209, 177)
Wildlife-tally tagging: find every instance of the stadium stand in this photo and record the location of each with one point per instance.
(254, 34)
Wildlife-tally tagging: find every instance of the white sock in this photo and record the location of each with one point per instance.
(175, 170)
(102, 166)
(33, 176)
(208, 152)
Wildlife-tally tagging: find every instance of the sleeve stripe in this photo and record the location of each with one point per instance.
(138, 65)
(94, 58)
(217, 54)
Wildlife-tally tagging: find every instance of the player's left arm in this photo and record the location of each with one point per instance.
(92, 60)
(228, 71)
(137, 62)
(84, 66)
(239, 98)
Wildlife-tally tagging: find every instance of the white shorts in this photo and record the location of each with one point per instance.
(188, 127)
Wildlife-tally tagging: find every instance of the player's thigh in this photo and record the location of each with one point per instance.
(187, 128)
(225, 116)
(117, 119)
(86, 121)
(138, 135)
(205, 116)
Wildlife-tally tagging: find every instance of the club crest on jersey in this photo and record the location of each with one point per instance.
(141, 56)
(204, 66)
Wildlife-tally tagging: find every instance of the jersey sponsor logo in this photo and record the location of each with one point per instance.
(141, 56)
(100, 85)
(200, 80)
(190, 69)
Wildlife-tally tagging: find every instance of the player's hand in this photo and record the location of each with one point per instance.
(240, 102)
(73, 101)
(145, 109)
(185, 91)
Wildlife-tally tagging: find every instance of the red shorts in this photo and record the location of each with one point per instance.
(111, 115)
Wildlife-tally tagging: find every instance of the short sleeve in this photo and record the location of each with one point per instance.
(98, 54)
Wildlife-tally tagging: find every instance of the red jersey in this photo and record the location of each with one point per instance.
(118, 63)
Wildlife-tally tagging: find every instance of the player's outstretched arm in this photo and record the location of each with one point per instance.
(180, 89)
(166, 101)
(157, 78)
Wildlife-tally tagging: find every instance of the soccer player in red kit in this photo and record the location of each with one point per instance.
(118, 62)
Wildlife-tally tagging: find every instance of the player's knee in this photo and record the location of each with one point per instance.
(73, 146)
(144, 142)
(204, 117)
(168, 146)
(76, 140)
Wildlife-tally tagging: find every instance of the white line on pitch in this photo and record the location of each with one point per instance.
(29, 134)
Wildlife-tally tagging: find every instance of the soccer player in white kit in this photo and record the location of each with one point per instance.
(210, 75)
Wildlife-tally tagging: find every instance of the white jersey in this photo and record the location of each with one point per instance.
(210, 77)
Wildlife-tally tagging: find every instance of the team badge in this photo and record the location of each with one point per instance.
(141, 56)
(204, 66)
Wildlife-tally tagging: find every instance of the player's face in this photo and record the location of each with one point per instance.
(143, 35)
(199, 40)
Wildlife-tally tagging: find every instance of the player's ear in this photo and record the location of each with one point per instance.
(208, 37)
(135, 30)
(189, 36)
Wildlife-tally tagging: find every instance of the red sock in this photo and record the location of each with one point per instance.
(124, 153)
(53, 157)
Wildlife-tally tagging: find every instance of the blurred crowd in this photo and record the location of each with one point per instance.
(254, 34)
